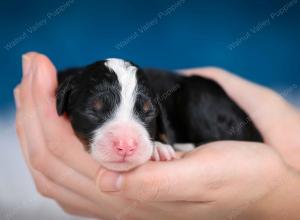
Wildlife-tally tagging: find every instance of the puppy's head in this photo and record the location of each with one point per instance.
(112, 108)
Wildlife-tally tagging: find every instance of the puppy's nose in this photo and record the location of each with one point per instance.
(125, 147)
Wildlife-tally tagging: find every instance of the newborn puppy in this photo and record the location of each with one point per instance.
(125, 115)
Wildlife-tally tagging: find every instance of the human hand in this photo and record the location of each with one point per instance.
(61, 169)
(226, 179)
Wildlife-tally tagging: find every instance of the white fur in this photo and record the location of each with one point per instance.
(126, 74)
(163, 152)
(184, 146)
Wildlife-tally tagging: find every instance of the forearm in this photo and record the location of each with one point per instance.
(281, 203)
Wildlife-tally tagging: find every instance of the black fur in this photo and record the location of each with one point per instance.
(199, 111)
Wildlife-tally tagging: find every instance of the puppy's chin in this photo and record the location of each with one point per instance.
(121, 167)
(110, 160)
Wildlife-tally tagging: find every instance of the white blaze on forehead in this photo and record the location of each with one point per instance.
(126, 74)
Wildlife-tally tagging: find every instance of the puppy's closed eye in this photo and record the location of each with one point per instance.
(99, 107)
(147, 106)
(97, 104)
(144, 106)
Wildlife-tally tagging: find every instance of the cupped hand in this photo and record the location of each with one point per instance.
(61, 169)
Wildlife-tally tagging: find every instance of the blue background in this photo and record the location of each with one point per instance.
(197, 33)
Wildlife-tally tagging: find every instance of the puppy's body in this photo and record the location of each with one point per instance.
(125, 114)
(198, 109)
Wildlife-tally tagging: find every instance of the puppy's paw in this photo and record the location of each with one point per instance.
(163, 152)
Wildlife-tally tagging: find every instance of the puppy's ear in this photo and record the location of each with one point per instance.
(164, 131)
(65, 86)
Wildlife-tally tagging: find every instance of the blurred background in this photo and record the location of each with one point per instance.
(257, 39)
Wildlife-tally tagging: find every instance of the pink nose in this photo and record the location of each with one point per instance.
(125, 147)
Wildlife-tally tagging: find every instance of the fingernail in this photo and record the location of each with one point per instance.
(16, 96)
(26, 63)
(110, 181)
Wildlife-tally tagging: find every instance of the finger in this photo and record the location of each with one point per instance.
(27, 125)
(59, 173)
(19, 128)
(32, 126)
(138, 210)
(178, 210)
(42, 160)
(71, 202)
(78, 210)
(43, 91)
(20, 131)
(38, 155)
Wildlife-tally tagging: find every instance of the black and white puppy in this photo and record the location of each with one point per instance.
(126, 115)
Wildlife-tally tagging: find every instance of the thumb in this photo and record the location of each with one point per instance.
(157, 181)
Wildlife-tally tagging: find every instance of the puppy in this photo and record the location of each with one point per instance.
(126, 115)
